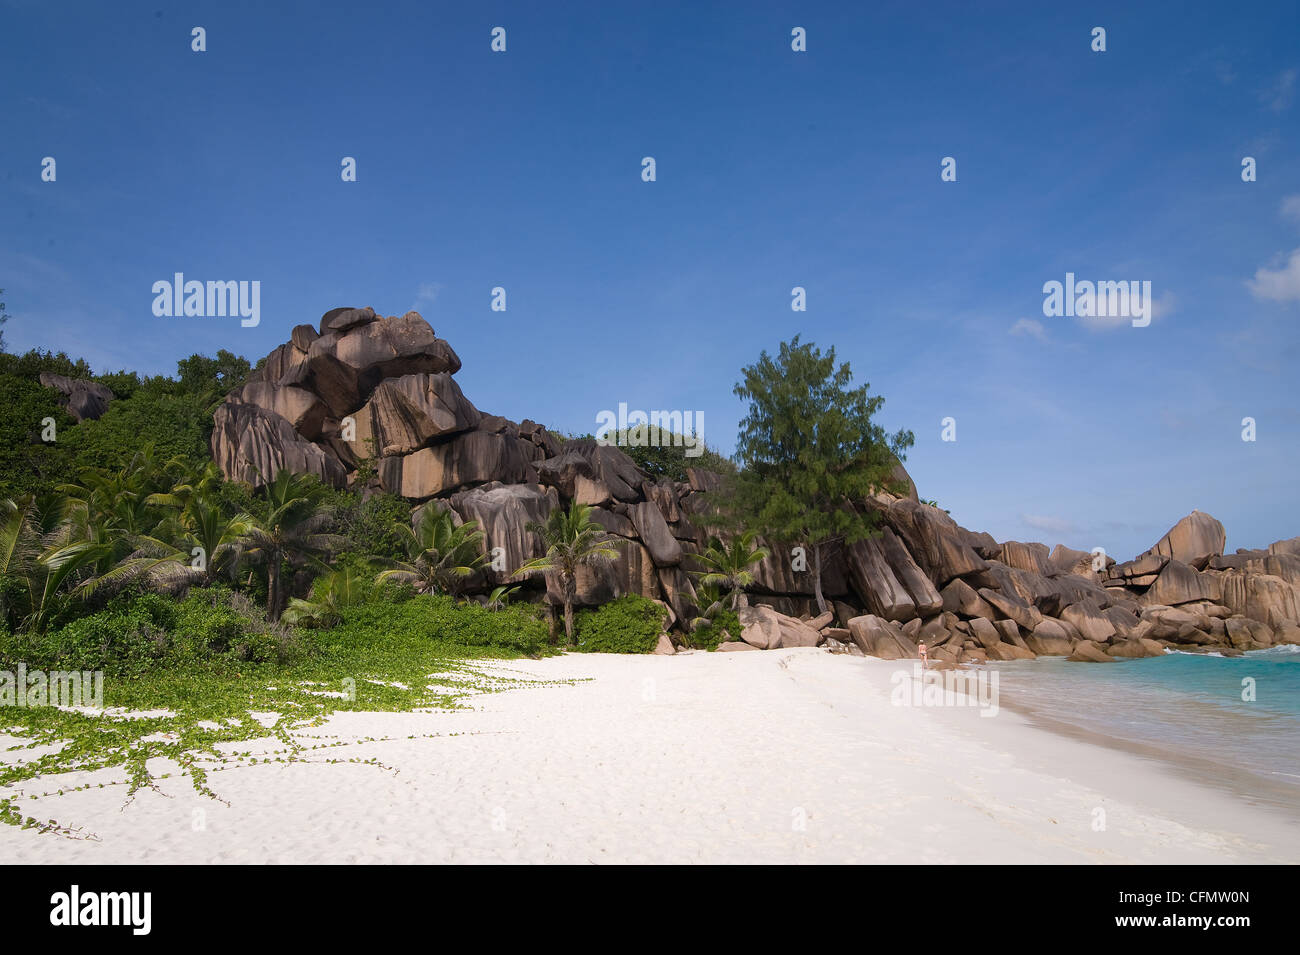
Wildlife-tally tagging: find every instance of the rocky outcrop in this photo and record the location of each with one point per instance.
(503, 513)
(252, 444)
(766, 629)
(81, 398)
(1193, 540)
(473, 458)
(362, 398)
(405, 414)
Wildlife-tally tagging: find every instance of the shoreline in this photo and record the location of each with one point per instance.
(1255, 789)
(1234, 781)
(787, 756)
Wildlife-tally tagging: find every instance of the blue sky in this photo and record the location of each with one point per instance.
(774, 169)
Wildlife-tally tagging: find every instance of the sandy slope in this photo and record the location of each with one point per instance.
(782, 756)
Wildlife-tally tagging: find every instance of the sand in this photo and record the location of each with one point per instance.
(783, 756)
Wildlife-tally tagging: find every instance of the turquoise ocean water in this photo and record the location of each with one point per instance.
(1190, 710)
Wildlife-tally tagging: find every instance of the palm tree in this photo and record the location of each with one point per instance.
(38, 548)
(441, 556)
(136, 531)
(120, 498)
(711, 599)
(572, 540)
(499, 597)
(728, 565)
(331, 593)
(293, 530)
(198, 519)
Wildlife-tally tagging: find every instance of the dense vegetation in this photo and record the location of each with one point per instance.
(630, 624)
(665, 454)
(131, 504)
(173, 416)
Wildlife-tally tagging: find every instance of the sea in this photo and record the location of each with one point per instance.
(1231, 722)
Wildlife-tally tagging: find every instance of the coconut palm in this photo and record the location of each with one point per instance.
(198, 520)
(710, 599)
(572, 540)
(441, 555)
(331, 593)
(499, 597)
(727, 565)
(120, 499)
(39, 551)
(292, 531)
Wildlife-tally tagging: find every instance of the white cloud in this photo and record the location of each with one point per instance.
(1279, 96)
(1291, 208)
(1119, 312)
(1281, 284)
(426, 294)
(1052, 525)
(1030, 327)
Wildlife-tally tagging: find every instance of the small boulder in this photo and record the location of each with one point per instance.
(1088, 651)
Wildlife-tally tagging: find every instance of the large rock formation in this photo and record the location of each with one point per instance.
(364, 398)
(81, 398)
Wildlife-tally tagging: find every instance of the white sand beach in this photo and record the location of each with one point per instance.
(785, 756)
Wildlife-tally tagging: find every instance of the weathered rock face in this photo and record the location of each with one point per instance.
(252, 444)
(302, 409)
(1178, 583)
(404, 414)
(1262, 597)
(766, 629)
(600, 473)
(82, 399)
(786, 571)
(649, 523)
(881, 638)
(1031, 557)
(1193, 540)
(875, 584)
(939, 545)
(1050, 639)
(503, 513)
(358, 386)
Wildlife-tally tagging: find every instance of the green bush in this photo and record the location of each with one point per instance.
(630, 624)
(26, 462)
(388, 623)
(725, 625)
(177, 425)
(125, 639)
(663, 453)
(141, 632)
(215, 622)
(370, 526)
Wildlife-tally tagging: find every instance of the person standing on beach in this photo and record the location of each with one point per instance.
(925, 656)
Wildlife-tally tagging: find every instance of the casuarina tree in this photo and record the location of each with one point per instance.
(810, 454)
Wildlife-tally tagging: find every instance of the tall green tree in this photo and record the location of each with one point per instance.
(572, 540)
(810, 454)
(200, 374)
